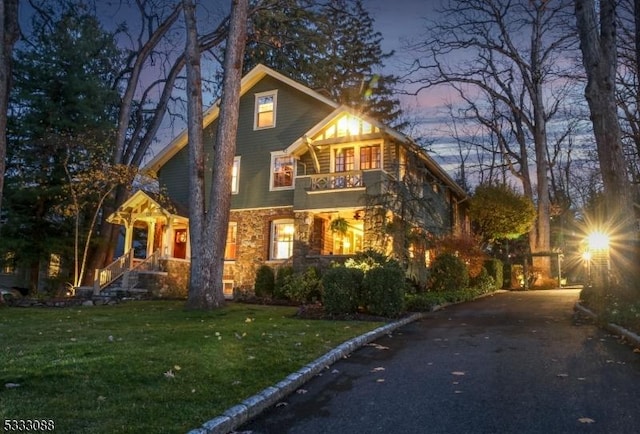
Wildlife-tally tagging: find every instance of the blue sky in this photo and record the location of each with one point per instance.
(399, 21)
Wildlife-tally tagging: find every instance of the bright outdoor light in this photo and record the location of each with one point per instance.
(598, 241)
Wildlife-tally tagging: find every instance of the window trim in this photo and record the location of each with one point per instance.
(233, 259)
(256, 109)
(226, 294)
(235, 186)
(272, 237)
(274, 156)
(356, 151)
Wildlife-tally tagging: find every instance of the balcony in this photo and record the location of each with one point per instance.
(334, 190)
(335, 181)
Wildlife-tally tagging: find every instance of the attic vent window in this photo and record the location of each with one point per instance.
(349, 125)
(265, 110)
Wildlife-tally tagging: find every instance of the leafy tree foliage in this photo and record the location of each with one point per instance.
(331, 47)
(501, 212)
(61, 124)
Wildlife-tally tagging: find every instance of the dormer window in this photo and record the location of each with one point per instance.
(265, 110)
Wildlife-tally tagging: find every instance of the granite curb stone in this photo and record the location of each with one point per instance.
(251, 407)
(613, 328)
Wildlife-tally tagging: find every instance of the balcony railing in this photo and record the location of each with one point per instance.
(336, 181)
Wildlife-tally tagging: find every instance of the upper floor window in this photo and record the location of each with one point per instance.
(235, 175)
(345, 159)
(370, 157)
(265, 110)
(230, 249)
(283, 171)
(349, 158)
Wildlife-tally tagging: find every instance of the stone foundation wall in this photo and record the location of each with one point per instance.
(176, 282)
(253, 244)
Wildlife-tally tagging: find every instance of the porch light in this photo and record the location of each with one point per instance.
(598, 258)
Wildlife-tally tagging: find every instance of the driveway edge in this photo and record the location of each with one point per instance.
(613, 328)
(251, 407)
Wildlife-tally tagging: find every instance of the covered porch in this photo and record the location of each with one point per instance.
(152, 232)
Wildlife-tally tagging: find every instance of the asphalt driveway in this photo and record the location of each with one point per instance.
(516, 362)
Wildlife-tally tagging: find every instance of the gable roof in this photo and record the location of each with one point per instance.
(248, 81)
(147, 203)
(301, 145)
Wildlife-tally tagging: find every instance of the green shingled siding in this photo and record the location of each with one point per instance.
(296, 113)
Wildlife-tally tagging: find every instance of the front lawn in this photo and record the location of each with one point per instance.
(150, 367)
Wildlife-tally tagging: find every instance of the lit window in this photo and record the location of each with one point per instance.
(283, 170)
(351, 241)
(281, 239)
(265, 115)
(370, 157)
(230, 249)
(235, 175)
(227, 288)
(349, 125)
(344, 160)
(8, 263)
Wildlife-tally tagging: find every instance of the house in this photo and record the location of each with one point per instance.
(313, 182)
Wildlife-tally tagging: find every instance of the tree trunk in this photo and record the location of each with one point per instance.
(542, 230)
(10, 31)
(208, 240)
(199, 295)
(599, 57)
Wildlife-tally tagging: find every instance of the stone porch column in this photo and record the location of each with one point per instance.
(303, 226)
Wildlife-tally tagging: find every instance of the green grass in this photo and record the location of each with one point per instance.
(150, 367)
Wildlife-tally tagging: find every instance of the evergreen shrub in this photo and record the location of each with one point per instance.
(495, 268)
(484, 283)
(340, 289)
(282, 274)
(383, 289)
(302, 287)
(448, 273)
(265, 282)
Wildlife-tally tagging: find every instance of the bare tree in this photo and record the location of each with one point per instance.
(10, 31)
(628, 83)
(208, 230)
(598, 42)
(511, 73)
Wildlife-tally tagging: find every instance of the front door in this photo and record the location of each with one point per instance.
(180, 244)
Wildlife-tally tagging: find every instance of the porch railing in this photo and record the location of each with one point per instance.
(127, 267)
(130, 277)
(151, 263)
(336, 181)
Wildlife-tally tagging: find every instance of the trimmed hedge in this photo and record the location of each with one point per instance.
(282, 274)
(265, 282)
(448, 273)
(302, 287)
(383, 288)
(427, 301)
(341, 289)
